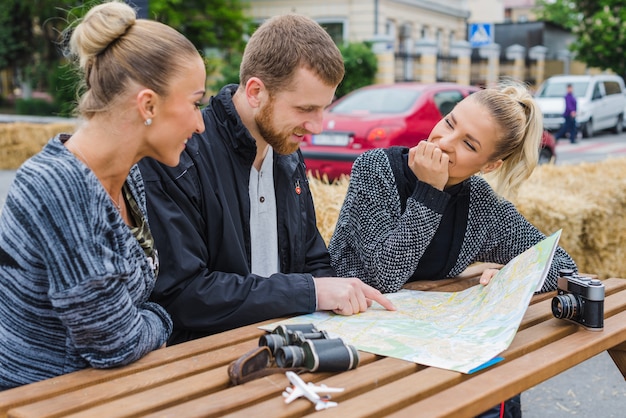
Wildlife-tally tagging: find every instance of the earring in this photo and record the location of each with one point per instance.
(148, 122)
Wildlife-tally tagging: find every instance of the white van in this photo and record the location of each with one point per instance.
(601, 100)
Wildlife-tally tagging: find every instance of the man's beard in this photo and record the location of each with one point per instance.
(279, 141)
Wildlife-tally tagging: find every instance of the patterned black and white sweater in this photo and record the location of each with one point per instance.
(73, 278)
(382, 245)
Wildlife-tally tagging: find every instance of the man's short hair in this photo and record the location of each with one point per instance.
(284, 43)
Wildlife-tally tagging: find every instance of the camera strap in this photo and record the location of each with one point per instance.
(256, 363)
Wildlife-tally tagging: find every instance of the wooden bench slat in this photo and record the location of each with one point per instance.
(204, 385)
(356, 382)
(124, 386)
(484, 391)
(66, 383)
(161, 397)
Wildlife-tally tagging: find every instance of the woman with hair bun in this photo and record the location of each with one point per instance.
(77, 258)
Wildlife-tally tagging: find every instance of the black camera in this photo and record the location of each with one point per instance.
(579, 299)
(306, 346)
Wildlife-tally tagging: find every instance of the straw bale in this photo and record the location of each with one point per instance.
(20, 141)
(328, 198)
(585, 200)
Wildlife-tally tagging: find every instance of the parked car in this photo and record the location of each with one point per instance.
(547, 153)
(380, 116)
(601, 100)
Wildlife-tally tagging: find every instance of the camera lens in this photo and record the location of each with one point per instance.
(565, 306)
(290, 356)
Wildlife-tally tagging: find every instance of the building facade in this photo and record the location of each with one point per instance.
(424, 40)
(403, 21)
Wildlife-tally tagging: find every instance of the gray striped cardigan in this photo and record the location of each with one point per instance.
(74, 281)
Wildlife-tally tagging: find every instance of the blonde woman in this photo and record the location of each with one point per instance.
(424, 214)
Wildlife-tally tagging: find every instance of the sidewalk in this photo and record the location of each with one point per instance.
(34, 119)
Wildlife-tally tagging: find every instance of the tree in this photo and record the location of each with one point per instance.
(360, 64)
(599, 27)
(561, 12)
(216, 24)
(601, 34)
(29, 35)
(16, 34)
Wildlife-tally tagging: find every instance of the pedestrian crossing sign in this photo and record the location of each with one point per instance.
(480, 34)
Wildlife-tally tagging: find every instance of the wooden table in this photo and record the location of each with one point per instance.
(191, 380)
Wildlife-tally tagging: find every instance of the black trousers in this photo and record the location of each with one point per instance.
(512, 409)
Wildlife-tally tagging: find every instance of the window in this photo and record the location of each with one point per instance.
(378, 101)
(612, 87)
(446, 100)
(597, 94)
(335, 30)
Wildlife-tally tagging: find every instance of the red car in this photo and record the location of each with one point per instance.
(378, 116)
(547, 154)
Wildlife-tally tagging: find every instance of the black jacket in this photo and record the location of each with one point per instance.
(199, 213)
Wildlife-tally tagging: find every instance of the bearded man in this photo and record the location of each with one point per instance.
(234, 222)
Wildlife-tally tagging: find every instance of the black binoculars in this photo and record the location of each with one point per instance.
(305, 346)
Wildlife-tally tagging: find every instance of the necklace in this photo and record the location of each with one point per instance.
(116, 203)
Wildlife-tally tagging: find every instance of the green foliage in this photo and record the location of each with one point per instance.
(211, 25)
(16, 34)
(207, 23)
(600, 27)
(229, 72)
(64, 82)
(561, 12)
(602, 34)
(361, 66)
(29, 37)
(39, 107)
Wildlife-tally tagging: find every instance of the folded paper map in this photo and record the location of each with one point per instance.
(462, 331)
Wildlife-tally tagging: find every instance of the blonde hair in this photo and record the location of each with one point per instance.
(114, 49)
(282, 44)
(521, 126)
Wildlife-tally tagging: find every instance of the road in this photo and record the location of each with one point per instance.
(602, 146)
(594, 388)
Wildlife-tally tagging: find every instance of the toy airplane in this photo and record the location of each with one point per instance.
(309, 391)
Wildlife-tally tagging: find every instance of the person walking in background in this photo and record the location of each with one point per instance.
(569, 125)
(77, 258)
(235, 221)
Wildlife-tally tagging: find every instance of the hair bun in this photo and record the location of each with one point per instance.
(102, 25)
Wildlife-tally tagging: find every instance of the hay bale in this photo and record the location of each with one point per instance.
(585, 200)
(20, 141)
(328, 198)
